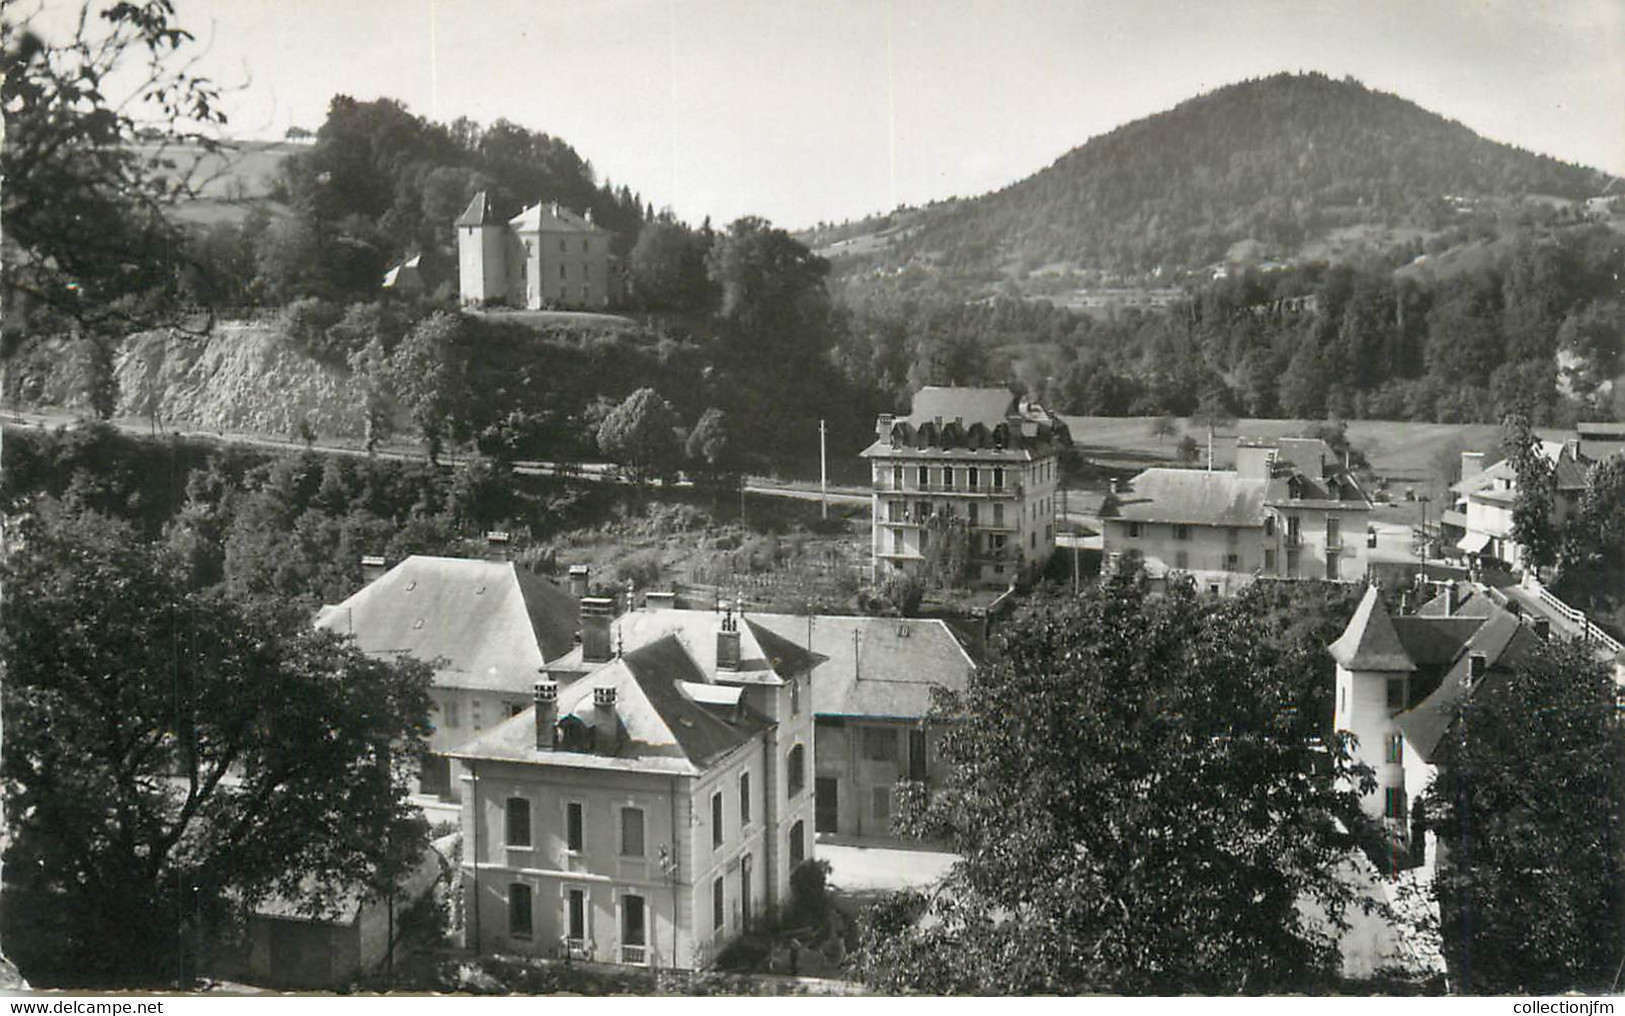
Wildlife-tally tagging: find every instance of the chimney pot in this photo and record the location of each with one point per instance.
(606, 727)
(660, 600)
(496, 546)
(547, 714)
(578, 580)
(597, 612)
(372, 567)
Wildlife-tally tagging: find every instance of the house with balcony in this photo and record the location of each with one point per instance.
(486, 626)
(977, 461)
(1485, 496)
(871, 693)
(1288, 510)
(652, 801)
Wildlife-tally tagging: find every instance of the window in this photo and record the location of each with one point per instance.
(922, 510)
(1231, 535)
(896, 510)
(1269, 525)
(744, 799)
(798, 844)
(1291, 564)
(897, 477)
(1396, 748)
(1032, 541)
(450, 713)
(973, 476)
(1396, 693)
(1232, 562)
(562, 245)
(1182, 560)
(575, 916)
(998, 478)
(518, 832)
(1182, 532)
(572, 827)
(948, 477)
(563, 272)
(717, 903)
(1333, 565)
(1393, 803)
(896, 541)
(474, 713)
(519, 910)
(925, 477)
(1134, 530)
(880, 744)
(972, 507)
(998, 515)
(1269, 561)
(716, 820)
(795, 697)
(634, 932)
(583, 245)
(1334, 532)
(796, 767)
(880, 804)
(631, 832)
(1293, 533)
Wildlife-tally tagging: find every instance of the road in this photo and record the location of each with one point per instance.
(600, 472)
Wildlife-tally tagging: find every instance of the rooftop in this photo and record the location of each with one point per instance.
(1191, 496)
(551, 217)
(875, 667)
(490, 624)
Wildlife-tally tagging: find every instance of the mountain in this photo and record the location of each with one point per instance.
(1279, 168)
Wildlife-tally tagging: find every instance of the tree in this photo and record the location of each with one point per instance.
(711, 449)
(1591, 572)
(172, 758)
(1141, 804)
(1529, 807)
(1534, 526)
(1189, 450)
(641, 434)
(90, 168)
(1162, 427)
(428, 373)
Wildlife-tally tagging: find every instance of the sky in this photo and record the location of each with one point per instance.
(805, 111)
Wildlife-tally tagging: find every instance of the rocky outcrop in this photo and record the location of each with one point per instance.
(243, 376)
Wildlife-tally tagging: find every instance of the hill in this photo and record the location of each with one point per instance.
(1263, 170)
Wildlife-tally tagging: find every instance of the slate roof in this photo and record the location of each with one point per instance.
(1194, 496)
(1369, 641)
(1503, 641)
(876, 667)
(987, 406)
(764, 657)
(493, 623)
(478, 212)
(550, 217)
(664, 725)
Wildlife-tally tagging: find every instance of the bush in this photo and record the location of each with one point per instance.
(809, 894)
(903, 591)
(642, 568)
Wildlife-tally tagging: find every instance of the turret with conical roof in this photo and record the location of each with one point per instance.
(482, 262)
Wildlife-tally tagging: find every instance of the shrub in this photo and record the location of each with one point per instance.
(642, 568)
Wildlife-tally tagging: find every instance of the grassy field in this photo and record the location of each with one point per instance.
(1407, 454)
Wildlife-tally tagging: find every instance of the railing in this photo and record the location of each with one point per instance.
(1008, 490)
(637, 955)
(1576, 617)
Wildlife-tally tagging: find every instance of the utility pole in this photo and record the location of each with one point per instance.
(823, 472)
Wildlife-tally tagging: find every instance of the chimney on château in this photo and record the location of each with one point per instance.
(547, 713)
(597, 613)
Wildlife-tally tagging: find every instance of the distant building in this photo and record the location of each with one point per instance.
(407, 277)
(546, 256)
(488, 626)
(872, 683)
(977, 455)
(1288, 510)
(1485, 498)
(651, 803)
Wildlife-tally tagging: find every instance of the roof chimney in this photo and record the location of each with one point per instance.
(728, 642)
(555, 209)
(659, 600)
(883, 426)
(547, 714)
(597, 612)
(373, 567)
(1472, 463)
(496, 546)
(606, 727)
(578, 581)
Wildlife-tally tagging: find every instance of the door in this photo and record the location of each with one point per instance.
(916, 755)
(634, 932)
(825, 805)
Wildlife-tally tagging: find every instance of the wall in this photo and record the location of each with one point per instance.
(1206, 550)
(1361, 708)
(842, 757)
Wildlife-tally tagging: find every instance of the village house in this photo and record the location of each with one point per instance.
(546, 256)
(1288, 510)
(1485, 497)
(979, 457)
(487, 626)
(871, 694)
(652, 802)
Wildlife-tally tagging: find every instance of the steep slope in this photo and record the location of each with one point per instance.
(1278, 161)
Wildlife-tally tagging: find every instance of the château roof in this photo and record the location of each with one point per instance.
(978, 422)
(491, 624)
(764, 657)
(1369, 641)
(1502, 640)
(987, 406)
(478, 212)
(551, 217)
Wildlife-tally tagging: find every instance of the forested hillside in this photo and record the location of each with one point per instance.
(1279, 161)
